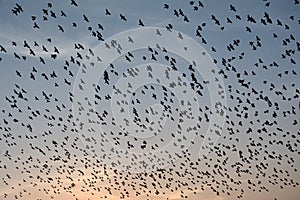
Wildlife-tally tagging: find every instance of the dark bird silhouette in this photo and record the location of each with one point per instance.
(141, 23)
(73, 2)
(61, 28)
(18, 73)
(42, 60)
(63, 14)
(107, 12)
(35, 25)
(232, 8)
(52, 14)
(100, 27)
(2, 49)
(200, 4)
(248, 29)
(123, 17)
(85, 18)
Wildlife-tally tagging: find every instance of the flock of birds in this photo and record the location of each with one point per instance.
(42, 150)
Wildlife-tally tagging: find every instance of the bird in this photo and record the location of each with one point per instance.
(2, 49)
(35, 25)
(74, 3)
(85, 18)
(52, 14)
(232, 8)
(107, 12)
(61, 28)
(123, 17)
(63, 14)
(100, 27)
(130, 39)
(141, 23)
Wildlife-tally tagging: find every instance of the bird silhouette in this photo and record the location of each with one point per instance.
(123, 17)
(107, 12)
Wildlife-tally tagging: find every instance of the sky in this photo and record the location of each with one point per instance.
(203, 105)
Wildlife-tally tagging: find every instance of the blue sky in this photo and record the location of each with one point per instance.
(250, 66)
